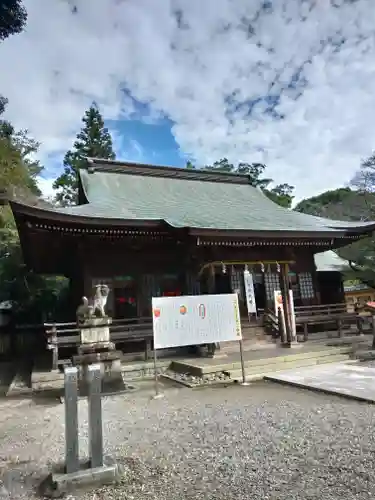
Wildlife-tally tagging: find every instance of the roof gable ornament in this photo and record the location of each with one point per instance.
(90, 166)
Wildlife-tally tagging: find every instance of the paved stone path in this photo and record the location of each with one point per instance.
(352, 379)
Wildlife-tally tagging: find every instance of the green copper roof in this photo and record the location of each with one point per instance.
(183, 198)
(330, 261)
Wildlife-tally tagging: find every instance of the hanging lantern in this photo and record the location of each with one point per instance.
(223, 268)
(232, 270)
(277, 267)
(262, 267)
(246, 270)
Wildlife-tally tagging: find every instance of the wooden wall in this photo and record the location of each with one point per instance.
(85, 257)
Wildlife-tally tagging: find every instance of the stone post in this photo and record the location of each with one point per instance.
(95, 415)
(71, 419)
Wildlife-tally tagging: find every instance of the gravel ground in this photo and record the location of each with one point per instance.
(259, 442)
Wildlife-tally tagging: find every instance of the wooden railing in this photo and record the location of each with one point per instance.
(62, 338)
(319, 310)
(326, 315)
(67, 335)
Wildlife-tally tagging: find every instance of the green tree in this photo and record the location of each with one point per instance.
(361, 255)
(33, 296)
(93, 141)
(340, 204)
(351, 205)
(19, 168)
(282, 194)
(3, 103)
(13, 18)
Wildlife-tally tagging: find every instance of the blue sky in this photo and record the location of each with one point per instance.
(147, 142)
(141, 137)
(288, 83)
(145, 136)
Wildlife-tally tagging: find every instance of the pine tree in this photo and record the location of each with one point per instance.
(93, 141)
(13, 18)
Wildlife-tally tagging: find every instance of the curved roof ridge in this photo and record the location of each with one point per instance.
(146, 169)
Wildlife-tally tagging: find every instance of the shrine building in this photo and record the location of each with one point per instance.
(149, 231)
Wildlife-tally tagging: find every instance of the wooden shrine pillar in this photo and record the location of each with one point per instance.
(287, 306)
(210, 348)
(76, 277)
(211, 280)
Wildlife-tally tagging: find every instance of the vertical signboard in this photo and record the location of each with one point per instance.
(278, 299)
(249, 291)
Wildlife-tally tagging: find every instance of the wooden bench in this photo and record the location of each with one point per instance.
(67, 335)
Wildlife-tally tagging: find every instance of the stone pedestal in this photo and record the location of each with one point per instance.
(96, 347)
(95, 330)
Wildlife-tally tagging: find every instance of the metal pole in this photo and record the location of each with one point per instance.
(94, 379)
(242, 365)
(71, 419)
(158, 394)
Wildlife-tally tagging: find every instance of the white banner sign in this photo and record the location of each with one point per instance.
(195, 320)
(279, 303)
(249, 290)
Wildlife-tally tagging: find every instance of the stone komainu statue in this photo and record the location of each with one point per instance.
(95, 306)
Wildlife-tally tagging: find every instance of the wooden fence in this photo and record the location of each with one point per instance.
(18, 341)
(29, 340)
(324, 317)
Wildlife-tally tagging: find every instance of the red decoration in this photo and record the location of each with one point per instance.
(124, 300)
(157, 313)
(172, 293)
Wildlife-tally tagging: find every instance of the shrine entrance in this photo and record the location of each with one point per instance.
(223, 284)
(125, 298)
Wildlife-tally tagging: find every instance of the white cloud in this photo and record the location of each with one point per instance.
(45, 185)
(127, 148)
(53, 70)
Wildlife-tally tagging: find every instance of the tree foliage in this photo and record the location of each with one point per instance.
(13, 18)
(3, 103)
(340, 204)
(282, 194)
(93, 141)
(18, 167)
(354, 203)
(362, 254)
(33, 296)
